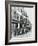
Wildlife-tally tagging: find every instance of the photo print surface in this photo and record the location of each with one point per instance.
(22, 24)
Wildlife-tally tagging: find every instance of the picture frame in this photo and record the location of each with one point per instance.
(14, 31)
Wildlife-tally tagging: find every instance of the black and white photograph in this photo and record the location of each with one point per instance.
(22, 22)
